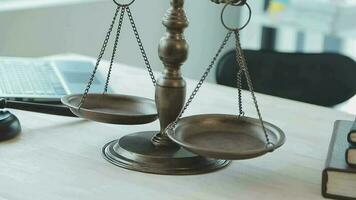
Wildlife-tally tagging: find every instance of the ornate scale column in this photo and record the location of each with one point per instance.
(171, 88)
(153, 151)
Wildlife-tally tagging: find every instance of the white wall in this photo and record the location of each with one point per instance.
(80, 28)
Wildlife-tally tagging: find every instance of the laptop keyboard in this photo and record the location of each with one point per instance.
(28, 77)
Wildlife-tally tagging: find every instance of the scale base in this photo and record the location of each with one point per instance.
(136, 152)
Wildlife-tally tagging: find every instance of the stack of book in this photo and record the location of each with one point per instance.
(339, 175)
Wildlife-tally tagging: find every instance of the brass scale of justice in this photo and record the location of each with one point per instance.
(184, 145)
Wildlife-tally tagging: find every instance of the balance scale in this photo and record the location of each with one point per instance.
(184, 145)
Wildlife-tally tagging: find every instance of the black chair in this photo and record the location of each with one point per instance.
(324, 79)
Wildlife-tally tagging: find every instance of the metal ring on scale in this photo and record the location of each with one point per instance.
(236, 4)
(123, 5)
(240, 2)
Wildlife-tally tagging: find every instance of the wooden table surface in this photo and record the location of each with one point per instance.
(60, 157)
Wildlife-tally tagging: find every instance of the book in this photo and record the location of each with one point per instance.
(352, 134)
(338, 178)
(351, 156)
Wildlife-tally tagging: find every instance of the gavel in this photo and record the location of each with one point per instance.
(10, 126)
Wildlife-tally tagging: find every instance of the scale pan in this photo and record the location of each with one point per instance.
(225, 136)
(112, 108)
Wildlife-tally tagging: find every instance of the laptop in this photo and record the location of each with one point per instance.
(41, 80)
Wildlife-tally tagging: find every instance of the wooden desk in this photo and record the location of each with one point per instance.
(60, 158)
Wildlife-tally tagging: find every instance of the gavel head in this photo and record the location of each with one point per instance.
(10, 126)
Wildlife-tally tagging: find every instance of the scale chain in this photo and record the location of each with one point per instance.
(102, 51)
(114, 49)
(142, 50)
(239, 87)
(204, 76)
(240, 58)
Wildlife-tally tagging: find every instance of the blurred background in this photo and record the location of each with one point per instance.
(35, 28)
